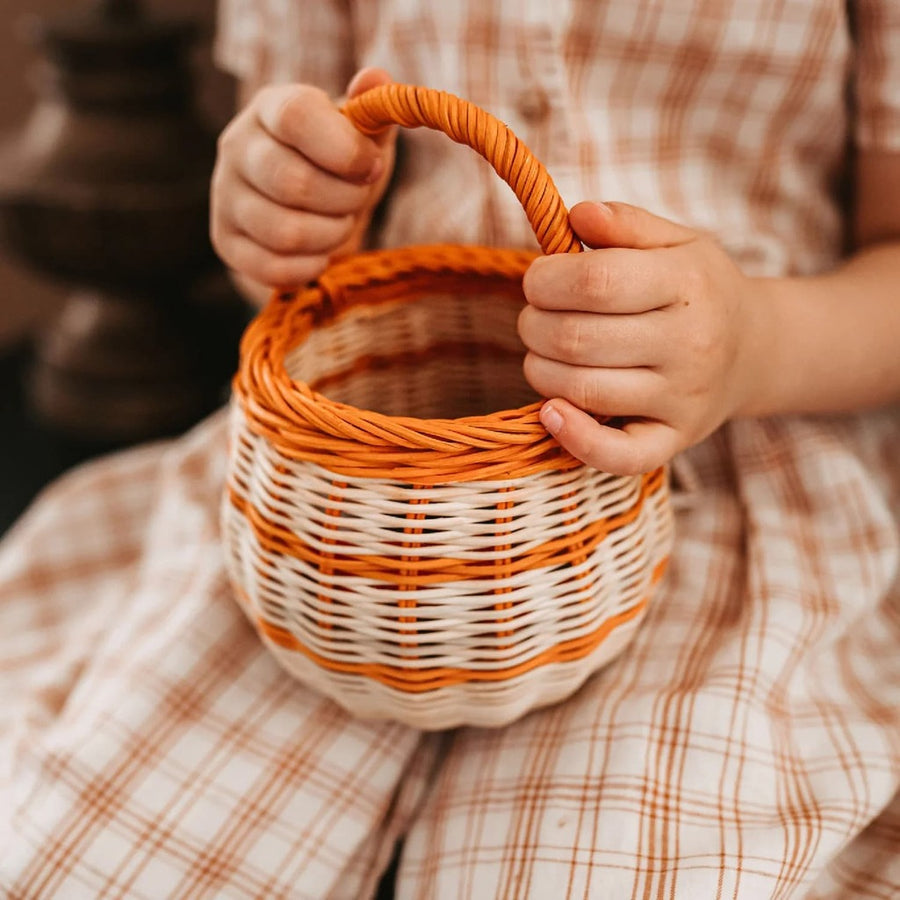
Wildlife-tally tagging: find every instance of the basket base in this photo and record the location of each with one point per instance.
(478, 704)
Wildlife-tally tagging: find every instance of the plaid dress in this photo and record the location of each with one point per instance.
(747, 745)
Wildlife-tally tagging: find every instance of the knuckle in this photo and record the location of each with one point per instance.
(570, 338)
(288, 113)
(215, 189)
(228, 138)
(359, 159)
(583, 392)
(531, 281)
(525, 325)
(269, 273)
(346, 226)
(594, 280)
(274, 272)
(264, 95)
(294, 106)
(286, 181)
(285, 234)
(696, 390)
(217, 235)
(219, 245)
(221, 234)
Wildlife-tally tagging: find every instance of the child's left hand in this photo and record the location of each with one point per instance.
(658, 328)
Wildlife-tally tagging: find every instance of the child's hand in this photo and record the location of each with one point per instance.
(657, 329)
(295, 183)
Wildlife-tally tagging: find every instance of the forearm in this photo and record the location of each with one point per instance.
(830, 343)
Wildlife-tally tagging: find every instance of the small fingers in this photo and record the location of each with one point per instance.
(591, 339)
(287, 231)
(305, 118)
(283, 175)
(275, 270)
(623, 225)
(610, 281)
(638, 447)
(609, 391)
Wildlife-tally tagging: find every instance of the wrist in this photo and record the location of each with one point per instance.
(762, 358)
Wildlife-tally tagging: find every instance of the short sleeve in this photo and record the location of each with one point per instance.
(267, 41)
(877, 74)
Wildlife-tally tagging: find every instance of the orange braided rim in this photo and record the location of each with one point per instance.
(303, 424)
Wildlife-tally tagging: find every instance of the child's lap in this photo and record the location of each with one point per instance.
(748, 734)
(741, 741)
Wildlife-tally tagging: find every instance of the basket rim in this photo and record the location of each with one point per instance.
(386, 265)
(269, 395)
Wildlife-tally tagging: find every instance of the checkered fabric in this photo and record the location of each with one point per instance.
(746, 746)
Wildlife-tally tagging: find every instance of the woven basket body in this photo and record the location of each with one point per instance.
(399, 544)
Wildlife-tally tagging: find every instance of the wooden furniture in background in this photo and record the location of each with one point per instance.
(106, 189)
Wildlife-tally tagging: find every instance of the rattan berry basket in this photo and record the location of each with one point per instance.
(400, 529)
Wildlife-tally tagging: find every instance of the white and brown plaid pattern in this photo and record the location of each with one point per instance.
(727, 116)
(747, 746)
(154, 749)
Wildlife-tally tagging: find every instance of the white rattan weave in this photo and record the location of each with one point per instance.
(312, 553)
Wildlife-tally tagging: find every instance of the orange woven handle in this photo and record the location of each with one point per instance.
(413, 107)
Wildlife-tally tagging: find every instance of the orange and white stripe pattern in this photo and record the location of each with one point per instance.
(426, 616)
(437, 571)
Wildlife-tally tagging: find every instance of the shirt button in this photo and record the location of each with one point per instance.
(533, 106)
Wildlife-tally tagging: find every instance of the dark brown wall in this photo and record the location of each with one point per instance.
(24, 298)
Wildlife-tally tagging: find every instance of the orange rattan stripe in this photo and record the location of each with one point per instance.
(434, 570)
(466, 123)
(403, 584)
(325, 566)
(417, 681)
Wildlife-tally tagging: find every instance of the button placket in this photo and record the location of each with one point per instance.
(533, 105)
(541, 102)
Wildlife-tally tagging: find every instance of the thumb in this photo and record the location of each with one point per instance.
(364, 80)
(622, 225)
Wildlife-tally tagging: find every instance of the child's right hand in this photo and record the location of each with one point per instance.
(295, 183)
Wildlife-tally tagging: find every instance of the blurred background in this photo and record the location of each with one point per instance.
(24, 298)
(117, 325)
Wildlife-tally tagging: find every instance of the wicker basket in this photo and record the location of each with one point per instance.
(399, 544)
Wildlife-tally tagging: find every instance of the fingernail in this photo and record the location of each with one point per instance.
(551, 419)
(603, 208)
(375, 171)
